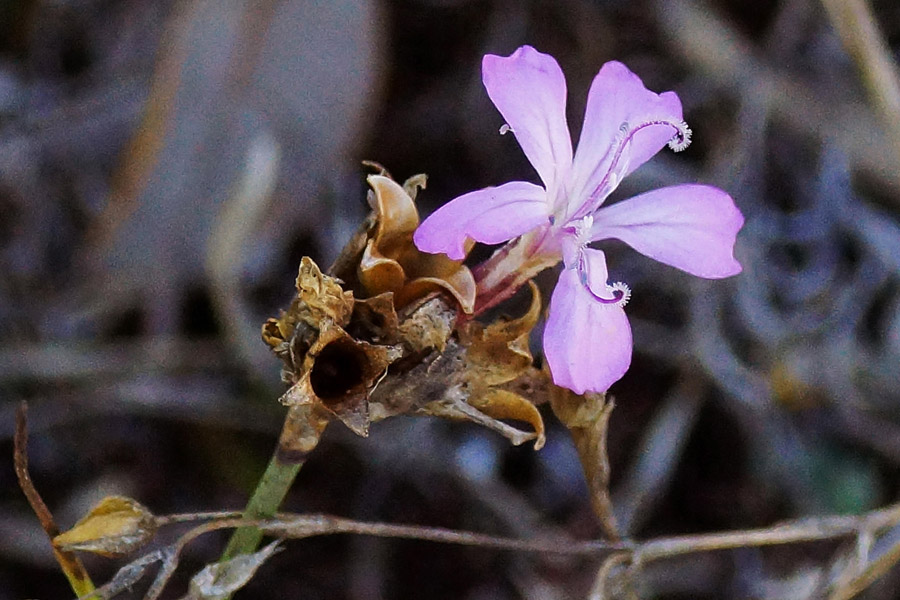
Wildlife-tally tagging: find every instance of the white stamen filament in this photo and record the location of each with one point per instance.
(680, 140)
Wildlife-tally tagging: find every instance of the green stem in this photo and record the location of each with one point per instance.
(269, 493)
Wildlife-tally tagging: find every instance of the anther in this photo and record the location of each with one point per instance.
(682, 137)
(505, 128)
(621, 292)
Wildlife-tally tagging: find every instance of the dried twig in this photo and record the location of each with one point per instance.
(876, 569)
(68, 561)
(638, 554)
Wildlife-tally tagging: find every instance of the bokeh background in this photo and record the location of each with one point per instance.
(165, 164)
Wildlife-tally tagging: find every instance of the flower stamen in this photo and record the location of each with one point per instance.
(682, 137)
(583, 228)
(619, 291)
(618, 164)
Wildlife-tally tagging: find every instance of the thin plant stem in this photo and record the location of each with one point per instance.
(264, 504)
(71, 565)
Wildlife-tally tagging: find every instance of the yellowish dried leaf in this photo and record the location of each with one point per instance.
(115, 526)
(498, 353)
(503, 404)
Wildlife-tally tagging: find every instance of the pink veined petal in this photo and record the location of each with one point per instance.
(691, 227)
(529, 90)
(587, 344)
(491, 215)
(618, 97)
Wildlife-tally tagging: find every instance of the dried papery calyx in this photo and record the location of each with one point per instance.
(326, 366)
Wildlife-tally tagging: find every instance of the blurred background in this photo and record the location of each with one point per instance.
(165, 164)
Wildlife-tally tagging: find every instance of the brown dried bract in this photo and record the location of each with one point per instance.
(386, 338)
(385, 259)
(498, 354)
(587, 418)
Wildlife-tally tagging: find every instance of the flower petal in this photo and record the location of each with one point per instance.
(529, 90)
(691, 227)
(618, 97)
(586, 344)
(491, 215)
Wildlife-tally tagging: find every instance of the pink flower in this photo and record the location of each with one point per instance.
(587, 338)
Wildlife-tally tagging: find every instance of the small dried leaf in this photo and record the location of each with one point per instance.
(415, 183)
(115, 526)
(220, 580)
(378, 273)
(428, 327)
(499, 352)
(396, 213)
(502, 404)
(432, 272)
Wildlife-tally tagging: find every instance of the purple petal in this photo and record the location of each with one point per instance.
(617, 97)
(586, 344)
(491, 215)
(529, 90)
(691, 227)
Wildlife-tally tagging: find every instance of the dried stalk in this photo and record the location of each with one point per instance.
(614, 554)
(69, 562)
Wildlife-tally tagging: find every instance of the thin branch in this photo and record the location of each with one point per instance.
(875, 570)
(69, 562)
(213, 515)
(638, 554)
(792, 532)
(301, 526)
